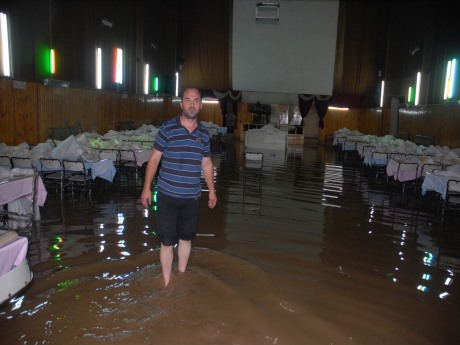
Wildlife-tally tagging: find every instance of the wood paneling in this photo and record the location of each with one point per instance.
(29, 111)
(338, 119)
(439, 121)
(6, 111)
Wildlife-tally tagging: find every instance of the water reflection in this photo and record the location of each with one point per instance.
(311, 251)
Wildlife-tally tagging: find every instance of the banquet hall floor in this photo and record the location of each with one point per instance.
(313, 250)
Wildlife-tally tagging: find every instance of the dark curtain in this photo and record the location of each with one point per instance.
(223, 96)
(305, 102)
(320, 102)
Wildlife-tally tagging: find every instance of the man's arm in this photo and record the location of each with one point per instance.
(152, 166)
(208, 172)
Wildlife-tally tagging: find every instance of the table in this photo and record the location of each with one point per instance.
(142, 156)
(17, 187)
(103, 168)
(13, 250)
(403, 172)
(437, 181)
(18, 192)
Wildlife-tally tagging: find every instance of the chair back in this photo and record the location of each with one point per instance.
(407, 171)
(127, 155)
(379, 158)
(5, 161)
(366, 149)
(74, 166)
(253, 160)
(453, 187)
(429, 167)
(50, 164)
(111, 154)
(21, 162)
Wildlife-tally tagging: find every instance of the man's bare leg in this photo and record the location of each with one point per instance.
(166, 259)
(183, 253)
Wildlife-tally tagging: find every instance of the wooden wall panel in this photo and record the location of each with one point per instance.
(25, 121)
(243, 116)
(210, 112)
(441, 122)
(338, 119)
(29, 111)
(6, 112)
(371, 122)
(49, 111)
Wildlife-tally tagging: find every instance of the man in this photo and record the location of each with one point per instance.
(183, 145)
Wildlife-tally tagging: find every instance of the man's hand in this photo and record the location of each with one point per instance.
(146, 197)
(212, 199)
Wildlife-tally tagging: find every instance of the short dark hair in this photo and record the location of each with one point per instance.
(191, 88)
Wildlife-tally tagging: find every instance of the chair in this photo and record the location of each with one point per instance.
(424, 140)
(365, 153)
(5, 161)
(77, 175)
(428, 167)
(452, 201)
(21, 162)
(253, 163)
(379, 161)
(128, 166)
(407, 175)
(112, 154)
(52, 172)
(402, 135)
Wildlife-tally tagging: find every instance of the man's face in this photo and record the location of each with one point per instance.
(191, 104)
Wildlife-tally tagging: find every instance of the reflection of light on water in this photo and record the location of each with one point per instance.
(120, 230)
(120, 218)
(121, 244)
(36, 309)
(64, 285)
(17, 302)
(333, 183)
(111, 276)
(428, 259)
(443, 295)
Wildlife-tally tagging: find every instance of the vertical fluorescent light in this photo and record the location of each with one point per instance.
(146, 79)
(452, 78)
(6, 71)
(98, 68)
(409, 95)
(382, 89)
(417, 88)
(118, 65)
(450, 75)
(52, 61)
(177, 84)
(156, 85)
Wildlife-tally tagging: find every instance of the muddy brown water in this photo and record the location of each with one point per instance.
(312, 251)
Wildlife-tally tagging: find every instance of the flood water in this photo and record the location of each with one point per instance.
(313, 251)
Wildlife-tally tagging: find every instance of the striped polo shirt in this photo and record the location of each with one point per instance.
(180, 171)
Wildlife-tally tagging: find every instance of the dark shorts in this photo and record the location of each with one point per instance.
(176, 219)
